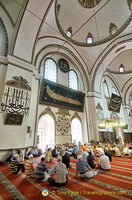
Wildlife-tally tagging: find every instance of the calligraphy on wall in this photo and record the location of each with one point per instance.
(115, 103)
(16, 97)
(63, 125)
(60, 96)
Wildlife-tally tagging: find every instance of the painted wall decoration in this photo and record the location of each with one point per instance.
(60, 96)
(16, 97)
(115, 103)
(63, 125)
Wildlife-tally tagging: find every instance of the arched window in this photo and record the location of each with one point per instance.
(73, 80)
(114, 90)
(50, 70)
(121, 68)
(106, 90)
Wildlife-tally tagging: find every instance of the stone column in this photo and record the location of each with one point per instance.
(31, 139)
(92, 121)
(128, 117)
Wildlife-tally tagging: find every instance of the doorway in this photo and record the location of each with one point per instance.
(46, 132)
(76, 131)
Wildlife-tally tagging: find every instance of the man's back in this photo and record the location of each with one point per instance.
(104, 162)
(60, 173)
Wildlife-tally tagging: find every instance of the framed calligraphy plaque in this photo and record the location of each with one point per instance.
(13, 119)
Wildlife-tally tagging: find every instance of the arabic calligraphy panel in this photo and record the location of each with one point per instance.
(115, 103)
(15, 100)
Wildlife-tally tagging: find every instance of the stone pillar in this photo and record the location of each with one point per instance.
(3, 70)
(128, 117)
(31, 139)
(92, 121)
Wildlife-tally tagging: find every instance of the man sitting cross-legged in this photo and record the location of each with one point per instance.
(15, 165)
(60, 171)
(29, 167)
(82, 167)
(104, 162)
(40, 174)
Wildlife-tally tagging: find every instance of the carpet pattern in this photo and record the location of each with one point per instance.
(113, 184)
(14, 192)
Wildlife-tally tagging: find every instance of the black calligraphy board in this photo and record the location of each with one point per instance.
(115, 103)
(57, 95)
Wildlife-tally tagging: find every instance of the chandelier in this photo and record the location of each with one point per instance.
(110, 123)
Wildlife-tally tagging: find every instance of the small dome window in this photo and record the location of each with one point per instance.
(121, 68)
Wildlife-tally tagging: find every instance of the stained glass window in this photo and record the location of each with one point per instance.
(50, 70)
(73, 80)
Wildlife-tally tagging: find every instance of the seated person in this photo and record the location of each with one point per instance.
(125, 150)
(54, 152)
(82, 168)
(20, 157)
(48, 155)
(34, 152)
(10, 156)
(26, 153)
(40, 174)
(85, 147)
(15, 166)
(108, 153)
(74, 151)
(21, 160)
(60, 171)
(99, 151)
(66, 160)
(29, 167)
(116, 151)
(79, 152)
(62, 150)
(104, 162)
(90, 160)
(84, 155)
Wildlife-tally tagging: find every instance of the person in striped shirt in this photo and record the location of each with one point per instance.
(15, 166)
(29, 167)
(40, 171)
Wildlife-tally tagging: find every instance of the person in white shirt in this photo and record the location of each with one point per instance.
(60, 171)
(117, 151)
(125, 150)
(99, 151)
(104, 162)
(84, 155)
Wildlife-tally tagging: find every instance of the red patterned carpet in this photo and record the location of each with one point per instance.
(107, 185)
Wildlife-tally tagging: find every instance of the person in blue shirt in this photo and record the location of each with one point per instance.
(82, 167)
(10, 156)
(74, 151)
(40, 171)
